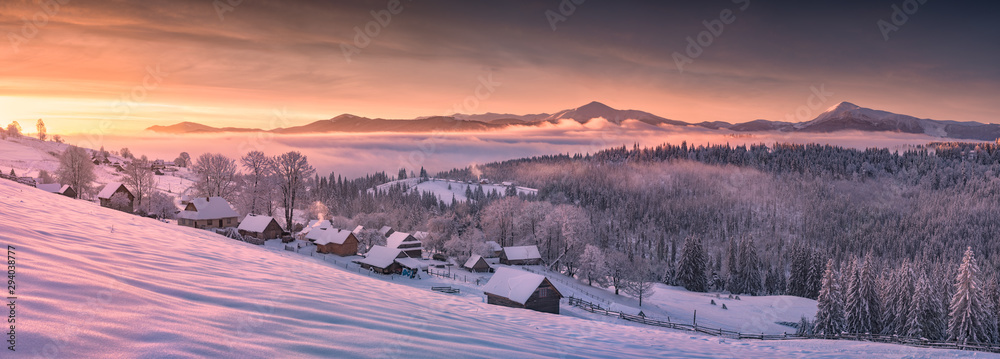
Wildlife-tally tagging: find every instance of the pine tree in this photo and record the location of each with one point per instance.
(862, 310)
(924, 319)
(830, 312)
(814, 277)
(733, 284)
(899, 295)
(691, 273)
(749, 272)
(970, 317)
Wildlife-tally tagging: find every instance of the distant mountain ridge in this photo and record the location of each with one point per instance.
(841, 117)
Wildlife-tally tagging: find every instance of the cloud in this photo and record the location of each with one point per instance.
(358, 154)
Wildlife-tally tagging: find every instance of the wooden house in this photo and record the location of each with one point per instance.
(310, 231)
(515, 288)
(56, 188)
(386, 231)
(405, 242)
(261, 227)
(335, 241)
(522, 255)
(477, 263)
(382, 260)
(208, 212)
(112, 189)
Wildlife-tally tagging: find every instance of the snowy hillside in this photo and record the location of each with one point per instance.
(26, 156)
(115, 285)
(440, 188)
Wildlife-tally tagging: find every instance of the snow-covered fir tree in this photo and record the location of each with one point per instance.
(691, 273)
(970, 320)
(925, 318)
(898, 295)
(863, 312)
(830, 306)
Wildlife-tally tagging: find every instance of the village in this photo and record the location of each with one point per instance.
(403, 255)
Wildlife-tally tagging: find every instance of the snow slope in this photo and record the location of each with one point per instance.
(439, 187)
(27, 156)
(93, 282)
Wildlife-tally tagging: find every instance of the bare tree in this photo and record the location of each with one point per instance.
(161, 205)
(139, 178)
(76, 170)
(216, 175)
(257, 181)
(292, 170)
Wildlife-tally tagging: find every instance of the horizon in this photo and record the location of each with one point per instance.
(119, 68)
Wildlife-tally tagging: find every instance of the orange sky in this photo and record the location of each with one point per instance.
(118, 66)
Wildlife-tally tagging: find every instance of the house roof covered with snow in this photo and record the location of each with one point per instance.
(333, 235)
(109, 190)
(254, 223)
(514, 284)
(316, 224)
(50, 187)
(208, 208)
(381, 257)
(357, 230)
(398, 239)
(385, 230)
(412, 263)
(522, 252)
(473, 260)
(419, 235)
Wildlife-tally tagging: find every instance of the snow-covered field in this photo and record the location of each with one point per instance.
(93, 282)
(440, 188)
(27, 156)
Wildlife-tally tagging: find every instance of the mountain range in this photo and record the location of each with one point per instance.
(843, 116)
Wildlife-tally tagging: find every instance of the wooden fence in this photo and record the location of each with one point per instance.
(719, 332)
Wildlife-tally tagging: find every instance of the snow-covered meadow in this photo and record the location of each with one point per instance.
(94, 282)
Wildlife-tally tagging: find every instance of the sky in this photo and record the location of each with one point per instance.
(117, 67)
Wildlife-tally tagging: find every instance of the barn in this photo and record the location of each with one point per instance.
(56, 188)
(208, 212)
(515, 288)
(261, 227)
(112, 189)
(336, 241)
(386, 231)
(477, 263)
(412, 247)
(382, 260)
(522, 255)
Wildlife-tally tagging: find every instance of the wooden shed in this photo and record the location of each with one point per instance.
(382, 260)
(515, 288)
(65, 190)
(477, 263)
(208, 212)
(412, 247)
(522, 255)
(261, 227)
(112, 189)
(335, 241)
